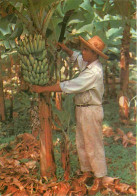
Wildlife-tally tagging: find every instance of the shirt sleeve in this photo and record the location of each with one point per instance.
(83, 82)
(77, 57)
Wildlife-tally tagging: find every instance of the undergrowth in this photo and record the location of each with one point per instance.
(119, 158)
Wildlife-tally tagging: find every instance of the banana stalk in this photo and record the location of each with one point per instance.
(34, 15)
(48, 17)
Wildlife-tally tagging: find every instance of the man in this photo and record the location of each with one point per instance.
(88, 88)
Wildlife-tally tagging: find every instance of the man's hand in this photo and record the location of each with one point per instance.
(37, 89)
(65, 48)
(62, 46)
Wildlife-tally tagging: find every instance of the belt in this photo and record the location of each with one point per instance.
(87, 105)
(84, 105)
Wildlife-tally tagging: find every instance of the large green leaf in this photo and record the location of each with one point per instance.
(1, 36)
(99, 2)
(37, 3)
(71, 4)
(86, 28)
(101, 25)
(89, 12)
(114, 33)
(17, 31)
(24, 2)
(5, 26)
(10, 45)
(114, 50)
(86, 5)
(75, 21)
(59, 11)
(133, 23)
(117, 23)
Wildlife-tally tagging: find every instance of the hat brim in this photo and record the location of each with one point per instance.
(91, 46)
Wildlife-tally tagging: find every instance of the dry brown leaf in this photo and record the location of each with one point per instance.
(108, 191)
(62, 189)
(12, 163)
(2, 161)
(122, 187)
(21, 193)
(132, 141)
(108, 181)
(48, 193)
(23, 170)
(117, 137)
(108, 131)
(31, 164)
(18, 184)
(22, 184)
(34, 155)
(83, 177)
(114, 191)
(129, 134)
(10, 190)
(134, 164)
(78, 188)
(125, 140)
(131, 191)
(27, 137)
(119, 132)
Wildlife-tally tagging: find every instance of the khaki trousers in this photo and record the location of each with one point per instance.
(89, 140)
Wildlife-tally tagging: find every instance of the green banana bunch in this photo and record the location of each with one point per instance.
(33, 59)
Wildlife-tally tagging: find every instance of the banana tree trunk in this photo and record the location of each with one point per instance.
(65, 159)
(2, 103)
(106, 81)
(47, 163)
(124, 61)
(114, 94)
(58, 95)
(124, 75)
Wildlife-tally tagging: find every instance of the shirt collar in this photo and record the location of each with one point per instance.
(93, 64)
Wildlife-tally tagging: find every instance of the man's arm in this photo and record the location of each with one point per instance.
(66, 49)
(41, 89)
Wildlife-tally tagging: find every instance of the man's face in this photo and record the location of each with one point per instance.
(87, 54)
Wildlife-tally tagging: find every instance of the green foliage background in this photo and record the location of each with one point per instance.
(101, 17)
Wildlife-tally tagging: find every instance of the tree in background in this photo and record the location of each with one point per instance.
(126, 10)
(2, 103)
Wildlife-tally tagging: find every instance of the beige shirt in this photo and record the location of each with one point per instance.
(88, 86)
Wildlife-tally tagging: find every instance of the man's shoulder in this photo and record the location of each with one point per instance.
(97, 68)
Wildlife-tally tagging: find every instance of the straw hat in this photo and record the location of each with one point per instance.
(96, 44)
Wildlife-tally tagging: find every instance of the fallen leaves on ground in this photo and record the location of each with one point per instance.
(127, 139)
(114, 185)
(20, 175)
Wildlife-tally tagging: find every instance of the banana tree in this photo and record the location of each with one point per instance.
(122, 37)
(34, 17)
(126, 10)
